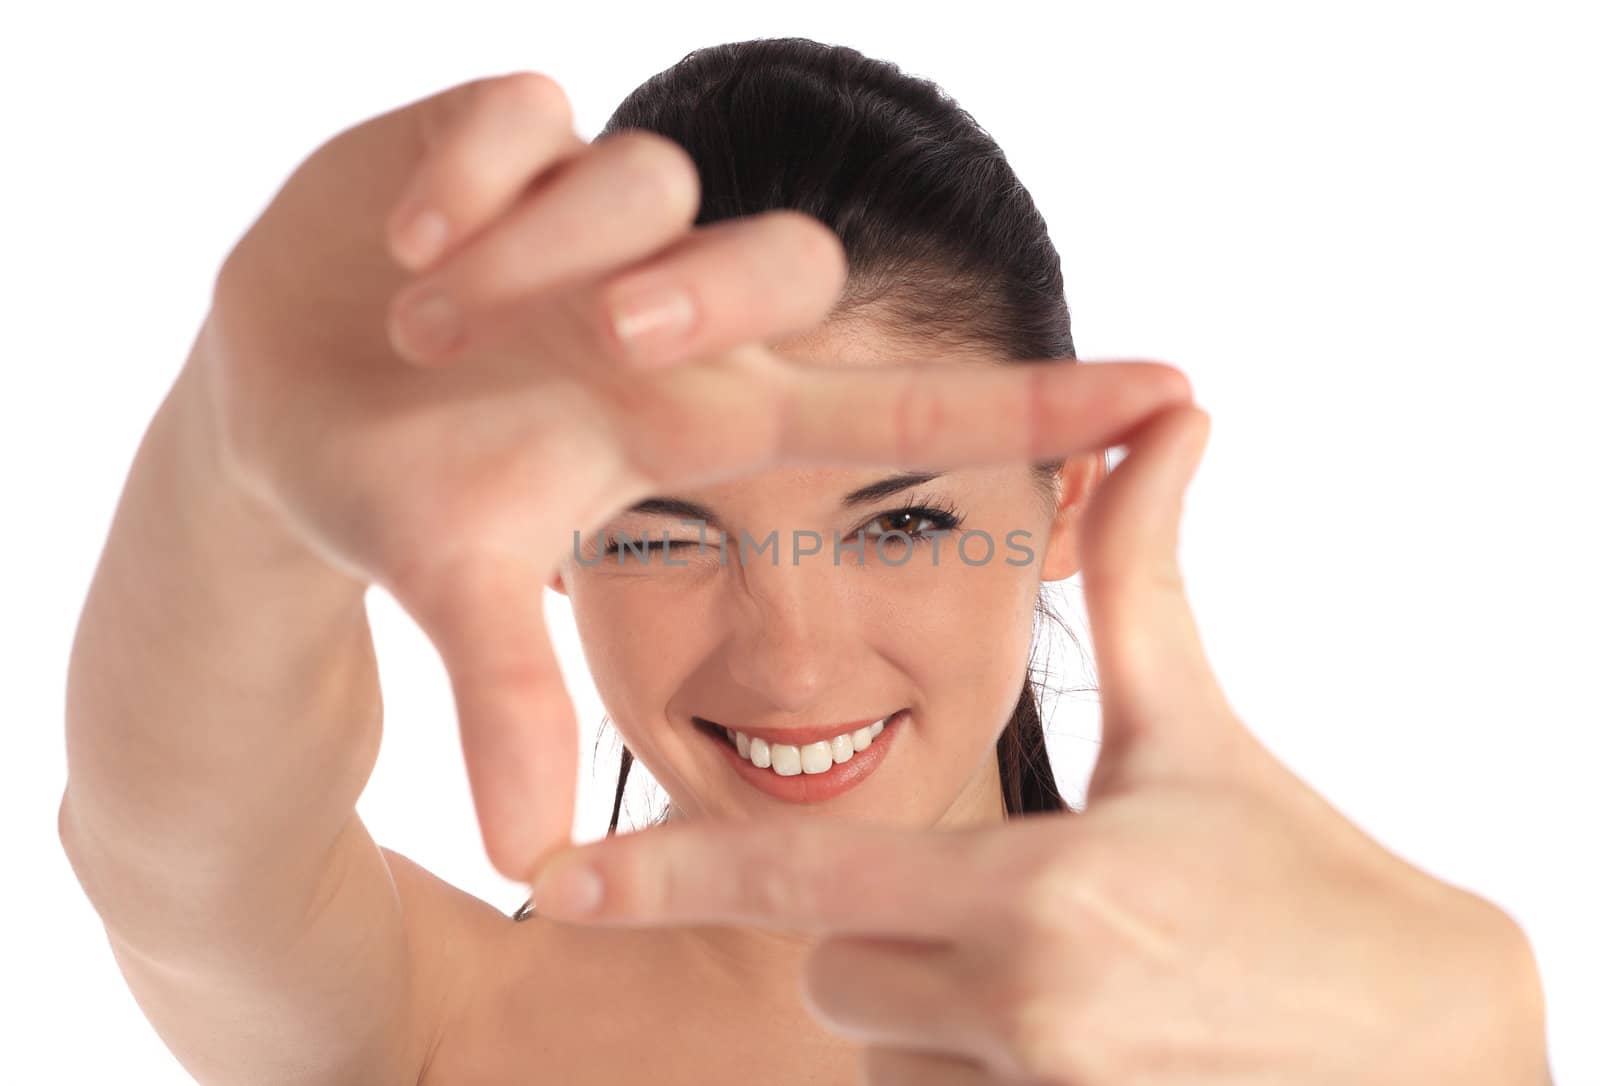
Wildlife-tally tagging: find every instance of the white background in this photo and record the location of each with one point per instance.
(1367, 232)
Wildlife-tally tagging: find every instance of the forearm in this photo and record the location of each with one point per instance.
(223, 709)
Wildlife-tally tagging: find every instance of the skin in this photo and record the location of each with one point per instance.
(224, 710)
(805, 642)
(1207, 919)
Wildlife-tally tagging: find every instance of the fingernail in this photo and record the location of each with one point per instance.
(421, 236)
(430, 324)
(571, 890)
(651, 322)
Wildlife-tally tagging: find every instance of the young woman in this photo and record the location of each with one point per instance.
(793, 320)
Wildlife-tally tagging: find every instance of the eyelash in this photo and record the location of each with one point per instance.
(944, 517)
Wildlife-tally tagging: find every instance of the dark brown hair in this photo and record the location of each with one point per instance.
(941, 238)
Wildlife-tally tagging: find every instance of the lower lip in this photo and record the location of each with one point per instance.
(814, 787)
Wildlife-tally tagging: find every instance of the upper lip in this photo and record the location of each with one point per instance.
(799, 736)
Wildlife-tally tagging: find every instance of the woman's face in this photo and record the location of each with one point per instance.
(790, 637)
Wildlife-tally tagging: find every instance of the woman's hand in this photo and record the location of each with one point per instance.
(1208, 919)
(454, 471)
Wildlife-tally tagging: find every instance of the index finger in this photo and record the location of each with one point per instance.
(749, 410)
(964, 413)
(818, 876)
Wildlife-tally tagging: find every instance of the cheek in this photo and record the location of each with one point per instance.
(637, 649)
(964, 637)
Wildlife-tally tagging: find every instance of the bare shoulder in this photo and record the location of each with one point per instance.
(499, 1002)
(454, 939)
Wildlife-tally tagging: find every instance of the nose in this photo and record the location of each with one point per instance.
(793, 639)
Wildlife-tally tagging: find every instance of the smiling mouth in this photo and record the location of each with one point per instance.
(793, 759)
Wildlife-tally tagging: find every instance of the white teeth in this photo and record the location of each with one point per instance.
(785, 760)
(789, 760)
(842, 749)
(816, 757)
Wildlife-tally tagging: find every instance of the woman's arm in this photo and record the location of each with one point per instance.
(223, 715)
(223, 706)
(1205, 917)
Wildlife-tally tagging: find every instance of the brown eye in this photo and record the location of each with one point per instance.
(901, 520)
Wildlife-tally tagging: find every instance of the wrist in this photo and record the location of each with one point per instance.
(225, 508)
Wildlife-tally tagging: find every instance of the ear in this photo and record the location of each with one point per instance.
(1076, 481)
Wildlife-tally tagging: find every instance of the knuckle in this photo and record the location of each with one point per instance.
(811, 238)
(1045, 1022)
(1037, 1032)
(654, 173)
(1051, 892)
(779, 410)
(772, 892)
(442, 112)
(526, 93)
(917, 415)
(783, 890)
(1181, 385)
(823, 245)
(1050, 408)
(663, 892)
(806, 254)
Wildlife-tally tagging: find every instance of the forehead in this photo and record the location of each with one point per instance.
(869, 339)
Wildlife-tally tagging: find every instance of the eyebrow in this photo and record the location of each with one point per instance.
(866, 495)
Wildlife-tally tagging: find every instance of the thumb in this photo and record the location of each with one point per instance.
(1161, 707)
(483, 613)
